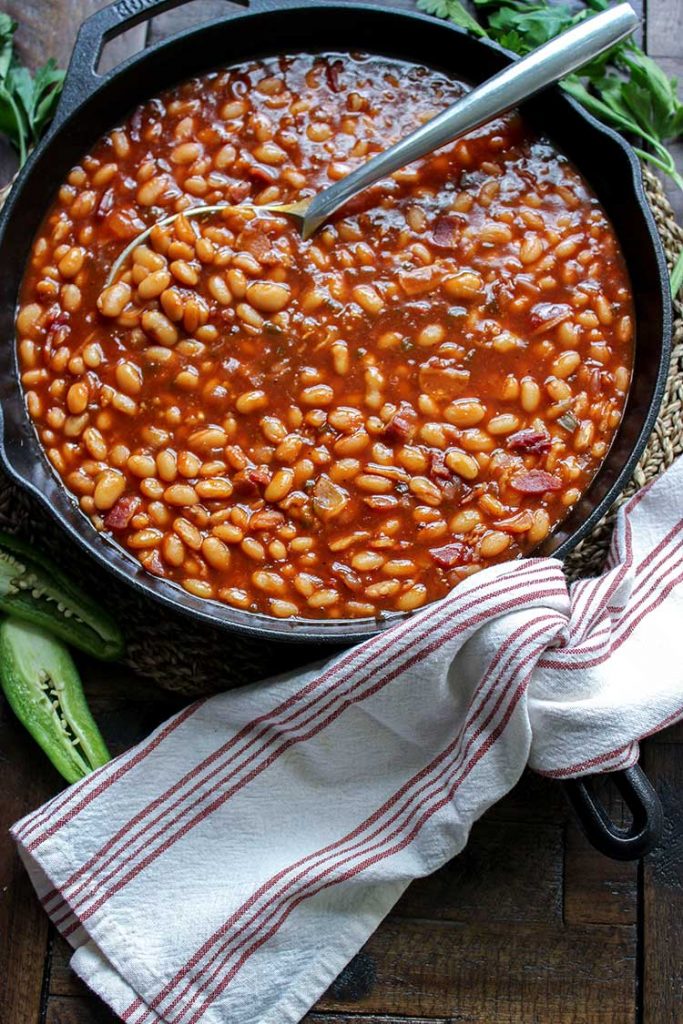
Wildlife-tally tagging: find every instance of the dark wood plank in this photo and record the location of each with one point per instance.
(493, 974)
(663, 893)
(479, 885)
(672, 735)
(597, 890)
(88, 1010)
(479, 973)
(361, 1018)
(85, 1009)
(62, 980)
(27, 780)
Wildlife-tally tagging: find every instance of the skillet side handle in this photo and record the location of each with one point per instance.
(638, 793)
(82, 78)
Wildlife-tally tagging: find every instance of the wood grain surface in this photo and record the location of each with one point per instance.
(528, 926)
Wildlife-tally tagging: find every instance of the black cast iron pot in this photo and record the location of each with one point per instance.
(91, 104)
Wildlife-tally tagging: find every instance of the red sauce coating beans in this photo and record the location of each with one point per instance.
(336, 427)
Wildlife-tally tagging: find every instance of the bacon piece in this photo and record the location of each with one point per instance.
(106, 204)
(136, 124)
(152, 563)
(536, 481)
(55, 317)
(123, 223)
(332, 73)
(444, 232)
(238, 191)
(401, 426)
(438, 470)
(450, 555)
(530, 442)
(546, 315)
(441, 379)
(119, 515)
(420, 280)
(381, 502)
(258, 244)
(257, 172)
(502, 461)
(329, 499)
(266, 519)
(347, 576)
(248, 481)
(57, 336)
(518, 523)
(258, 475)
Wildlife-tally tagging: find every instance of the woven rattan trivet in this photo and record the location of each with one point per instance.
(190, 658)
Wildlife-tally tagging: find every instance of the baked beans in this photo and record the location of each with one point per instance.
(338, 427)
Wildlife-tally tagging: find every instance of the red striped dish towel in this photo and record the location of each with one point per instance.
(226, 869)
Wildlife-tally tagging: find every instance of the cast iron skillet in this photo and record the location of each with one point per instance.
(91, 104)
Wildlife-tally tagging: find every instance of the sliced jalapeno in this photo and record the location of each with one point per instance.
(34, 589)
(43, 688)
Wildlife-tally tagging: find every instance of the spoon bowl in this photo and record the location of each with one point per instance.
(295, 210)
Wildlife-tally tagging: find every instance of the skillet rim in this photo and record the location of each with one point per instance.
(41, 480)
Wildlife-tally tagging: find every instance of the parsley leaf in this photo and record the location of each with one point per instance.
(651, 96)
(7, 28)
(47, 85)
(527, 25)
(27, 102)
(454, 11)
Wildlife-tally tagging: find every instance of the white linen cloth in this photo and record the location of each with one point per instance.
(226, 869)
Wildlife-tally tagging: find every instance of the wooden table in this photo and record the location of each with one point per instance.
(528, 926)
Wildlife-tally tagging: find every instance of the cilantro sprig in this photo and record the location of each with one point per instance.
(624, 87)
(27, 102)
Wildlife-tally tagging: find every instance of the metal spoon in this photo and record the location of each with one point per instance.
(515, 83)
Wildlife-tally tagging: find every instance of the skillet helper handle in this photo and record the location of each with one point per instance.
(82, 78)
(638, 793)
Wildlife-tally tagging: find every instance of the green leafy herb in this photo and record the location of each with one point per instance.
(624, 87)
(454, 11)
(27, 102)
(524, 26)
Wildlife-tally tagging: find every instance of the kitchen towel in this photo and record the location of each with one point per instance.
(227, 868)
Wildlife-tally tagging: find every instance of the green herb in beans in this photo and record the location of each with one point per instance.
(34, 589)
(43, 688)
(27, 102)
(624, 88)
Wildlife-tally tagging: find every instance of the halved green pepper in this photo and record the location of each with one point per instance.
(43, 688)
(34, 589)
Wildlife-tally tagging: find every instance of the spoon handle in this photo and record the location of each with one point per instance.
(517, 82)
